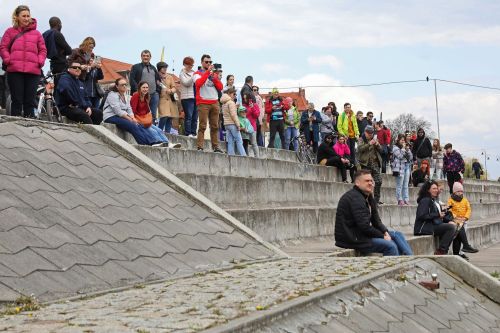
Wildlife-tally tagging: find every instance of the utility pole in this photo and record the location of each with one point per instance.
(486, 157)
(437, 109)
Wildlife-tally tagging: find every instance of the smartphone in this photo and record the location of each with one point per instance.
(97, 59)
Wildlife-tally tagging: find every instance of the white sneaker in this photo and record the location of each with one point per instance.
(174, 145)
(192, 136)
(160, 144)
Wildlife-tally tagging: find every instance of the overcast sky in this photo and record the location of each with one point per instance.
(317, 43)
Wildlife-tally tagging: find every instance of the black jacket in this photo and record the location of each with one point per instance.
(248, 91)
(422, 148)
(57, 50)
(136, 75)
(325, 151)
(427, 217)
(354, 225)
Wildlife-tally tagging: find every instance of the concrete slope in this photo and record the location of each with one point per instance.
(76, 216)
(393, 301)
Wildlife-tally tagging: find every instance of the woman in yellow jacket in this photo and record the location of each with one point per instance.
(461, 211)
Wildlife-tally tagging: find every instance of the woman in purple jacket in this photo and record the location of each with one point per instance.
(23, 52)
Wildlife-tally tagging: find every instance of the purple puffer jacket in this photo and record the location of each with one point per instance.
(27, 54)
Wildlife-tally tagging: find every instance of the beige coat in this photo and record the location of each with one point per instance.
(168, 107)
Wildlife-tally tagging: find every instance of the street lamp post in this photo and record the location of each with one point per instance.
(486, 157)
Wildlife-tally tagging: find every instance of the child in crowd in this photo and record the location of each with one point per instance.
(461, 211)
(246, 128)
(342, 149)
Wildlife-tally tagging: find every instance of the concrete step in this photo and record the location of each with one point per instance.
(233, 192)
(277, 224)
(480, 233)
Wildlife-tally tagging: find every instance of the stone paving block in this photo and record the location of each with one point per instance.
(257, 251)
(23, 168)
(128, 173)
(118, 186)
(433, 308)
(184, 243)
(71, 199)
(38, 199)
(55, 236)
(134, 248)
(159, 187)
(408, 325)
(198, 260)
(7, 294)
(73, 158)
(13, 217)
(80, 215)
(112, 273)
(96, 147)
(139, 186)
(231, 254)
(113, 214)
(122, 231)
(145, 268)
(219, 224)
(425, 320)
(20, 238)
(126, 199)
(101, 199)
(5, 171)
(484, 315)
(5, 271)
(155, 213)
(91, 233)
(462, 326)
(331, 326)
(30, 183)
(12, 141)
(25, 262)
(170, 264)
(174, 199)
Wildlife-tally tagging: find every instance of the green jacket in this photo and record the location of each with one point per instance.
(296, 118)
(343, 124)
(366, 150)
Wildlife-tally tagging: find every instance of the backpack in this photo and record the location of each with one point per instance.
(103, 100)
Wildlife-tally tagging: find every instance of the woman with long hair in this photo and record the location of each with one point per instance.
(437, 160)
(117, 111)
(401, 168)
(140, 106)
(422, 174)
(430, 217)
(23, 53)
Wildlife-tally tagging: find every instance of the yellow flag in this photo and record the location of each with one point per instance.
(162, 53)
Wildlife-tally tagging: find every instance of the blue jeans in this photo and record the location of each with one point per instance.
(402, 184)
(138, 132)
(156, 135)
(290, 133)
(190, 116)
(233, 136)
(395, 247)
(95, 101)
(153, 104)
(165, 124)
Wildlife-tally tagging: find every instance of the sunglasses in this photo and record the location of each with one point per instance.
(122, 85)
(208, 61)
(75, 67)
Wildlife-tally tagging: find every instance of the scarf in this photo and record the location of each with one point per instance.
(456, 197)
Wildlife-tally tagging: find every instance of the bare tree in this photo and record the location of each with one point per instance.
(408, 122)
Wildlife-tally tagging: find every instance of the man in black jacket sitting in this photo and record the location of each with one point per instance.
(358, 225)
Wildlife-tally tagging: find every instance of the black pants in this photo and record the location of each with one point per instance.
(3, 91)
(459, 240)
(445, 232)
(385, 158)
(260, 138)
(351, 142)
(336, 162)
(80, 116)
(310, 140)
(277, 126)
(477, 173)
(452, 177)
(246, 142)
(23, 90)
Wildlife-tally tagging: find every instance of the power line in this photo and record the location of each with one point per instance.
(467, 84)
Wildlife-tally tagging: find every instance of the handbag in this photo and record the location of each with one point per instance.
(4, 66)
(145, 120)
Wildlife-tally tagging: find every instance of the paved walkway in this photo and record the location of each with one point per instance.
(488, 258)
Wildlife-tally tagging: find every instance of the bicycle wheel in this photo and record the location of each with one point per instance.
(311, 156)
(56, 114)
(49, 109)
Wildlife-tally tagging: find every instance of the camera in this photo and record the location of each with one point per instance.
(217, 67)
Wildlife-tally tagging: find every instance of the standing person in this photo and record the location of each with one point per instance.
(187, 97)
(347, 125)
(91, 83)
(117, 111)
(140, 106)
(247, 131)
(167, 107)
(252, 116)
(358, 224)
(430, 218)
(23, 51)
(72, 100)
(309, 122)
(422, 148)
(84, 55)
(437, 160)
(57, 48)
(276, 118)
(292, 123)
(327, 123)
(461, 211)
(208, 86)
(453, 165)
(261, 122)
(3, 88)
(230, 84)
(384, 138)
(231, 122)
(369, 158)
(247, 91)
(146, 72)
(361, 121)
(401, 168)
(477, 168)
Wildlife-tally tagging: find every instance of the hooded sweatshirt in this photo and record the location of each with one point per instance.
(422, 148)
(28, 52)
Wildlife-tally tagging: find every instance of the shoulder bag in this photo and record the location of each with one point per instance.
(4, 66)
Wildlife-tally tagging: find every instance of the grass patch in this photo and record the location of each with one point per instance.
(495, 274)
(22, 304)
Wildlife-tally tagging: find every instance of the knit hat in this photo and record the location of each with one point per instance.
(369, 129)
(457, 187)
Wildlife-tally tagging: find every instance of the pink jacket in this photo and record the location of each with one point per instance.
(253, 113)
(28, 52)
(342, 149)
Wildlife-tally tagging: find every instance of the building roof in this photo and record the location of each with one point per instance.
(298, 96)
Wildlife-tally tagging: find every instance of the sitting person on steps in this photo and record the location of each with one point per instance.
(342, 149)
(327, 156)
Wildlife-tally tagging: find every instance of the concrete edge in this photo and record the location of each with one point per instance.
(472, 275)
(135, 156)
(252, 321)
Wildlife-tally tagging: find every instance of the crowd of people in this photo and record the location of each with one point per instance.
(347, 140)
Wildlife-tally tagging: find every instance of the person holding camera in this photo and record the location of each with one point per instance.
(368, 156)
(208, 85)
(431, 219)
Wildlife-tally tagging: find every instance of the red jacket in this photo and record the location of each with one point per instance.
(269, 108)
(28, 52)
(253, 113)
(206, 84)
(384, 136)
(139, 107)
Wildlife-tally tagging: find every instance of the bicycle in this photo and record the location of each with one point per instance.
(46, 108)
(304, 152)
